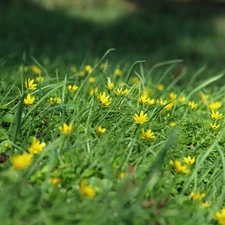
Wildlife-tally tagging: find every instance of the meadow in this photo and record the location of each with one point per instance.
(102, 129)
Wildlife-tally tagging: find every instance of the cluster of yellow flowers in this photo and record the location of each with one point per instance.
(215, 115)
(183, 169)
(20, 162)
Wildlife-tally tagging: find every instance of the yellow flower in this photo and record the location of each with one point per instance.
(172, 96)
(117, 72)
(216, 115)
(110, 84)
(135, 80)
(170, 105)
(100, 130)
(171, 163)
(220, 216)
(66, 129)
(214, 105)
(82, 74)
(54, 180)
(23, 68)
(204, 98)
(123, 175)
(29, 84)
(20, 162)
(87, 190)
(188, 160)
(29, 100)
(88, 69)
(54, 100)
(91, 80)
(182, 99)
(73, 69)
(94, 91)
(72, 88)
(120, 91)
(160, 87)
(148, 134)
(179, 168)
(36, 69)
(140, 119)
(39, 79)
(192, 105)
(205, 205)
(144, 98)
(36, 146)
(161, 102)
(197, 196)
(151, 102)
(214, 126)
(104, 100)
(173, 124)
(103, 66)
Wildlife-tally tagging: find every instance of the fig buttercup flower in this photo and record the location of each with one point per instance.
(214, 126)
(91, 80)
(182, 99)
(148, 134)
(161, 102)
(39, 79)
(29, 100)
(144, 98)
(104, 100)
(93, 91)
(140, 119)
(72, 88)
(87, 190)
(20, 162)
(214, 105)
(170, 105)
(29, 84)
(220, 216)
(100, 130)
(54, 100)
(110, 84)
(216, 115)
(36, 69)
(160, 87)
(188, 160)
(88, 69)
(204, 98)
(192, 105)
(82, 74)
(54, 180)
(179, 168)
(66, 129)
(197, 196)
(172, 95)
(73, 69)
(123, 175)
(205, 205)
(120, 91)
(117, 72)
(173, 124)
(36, 146)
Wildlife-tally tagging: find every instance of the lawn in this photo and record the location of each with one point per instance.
(112, 112)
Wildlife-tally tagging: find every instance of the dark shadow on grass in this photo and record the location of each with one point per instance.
(152, 32)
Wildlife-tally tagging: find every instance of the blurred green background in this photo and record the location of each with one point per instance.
(59, 33)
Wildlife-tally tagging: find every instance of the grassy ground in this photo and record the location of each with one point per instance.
(91, 135)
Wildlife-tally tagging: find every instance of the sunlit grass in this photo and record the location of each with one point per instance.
(153, 154)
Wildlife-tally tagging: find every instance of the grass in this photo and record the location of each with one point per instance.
(133, 142)
(130, 180)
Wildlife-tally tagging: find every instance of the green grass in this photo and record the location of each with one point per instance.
(131, 180)
(152, 191)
